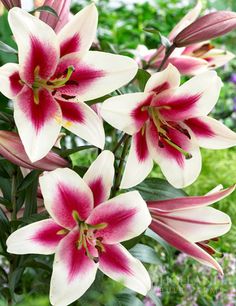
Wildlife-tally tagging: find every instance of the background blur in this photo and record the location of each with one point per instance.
(177, 279)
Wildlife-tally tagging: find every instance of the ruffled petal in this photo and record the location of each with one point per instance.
(179, 168)
(139, 163)
(95, 74)
(37, 45)
(73, 272)
(79, 33)
(179, 204)
(211, 134)
(66, 196)
(37, 121)
(166, 79)
(37, 238)
(81, 120)
(117, 263)
(99, 177)
(126, 112)
(10, 84)
(198, 224)
(124, 217)
(181, 243)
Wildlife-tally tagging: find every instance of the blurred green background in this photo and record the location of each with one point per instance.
(177, 279)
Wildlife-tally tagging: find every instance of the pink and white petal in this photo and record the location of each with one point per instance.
(178, 170)
(189, 65)
(181, 243)
(211, 133)
(217, 58)
(117, 263)
(195, 97)
(65, 194)
(183, 203)
(37, 45)
(125, 112)
(166, 79)
(198, 224)
(73, 272)
(37, 238)
(207, 86)
(99, 177)
(79, 33)
(82, 121)
(139, 163)
(124, 217)
(10, 84)
(37, 123)
(97, 74)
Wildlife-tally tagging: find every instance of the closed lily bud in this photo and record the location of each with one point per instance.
(11, 3)
(207, 27)
(62, 8)
(12, 149)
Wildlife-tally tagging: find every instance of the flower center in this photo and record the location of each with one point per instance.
(164, 127)
(50, 85)
(87, 237)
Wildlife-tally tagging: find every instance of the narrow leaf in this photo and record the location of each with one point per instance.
(45, 8)
(7, 49)
(145, 253)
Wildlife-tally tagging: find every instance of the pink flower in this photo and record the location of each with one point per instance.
(11, 3)
(12, 149)
(54, 73)
(62, 8)
(206, 27)
(85, 231)
(188, 224)
(168, 123)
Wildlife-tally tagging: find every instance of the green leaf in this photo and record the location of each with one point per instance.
(6, 48)
(127, 299)
(132, 242)
(150, 233)
(28, 180)
(31, 198)
(68, 152)
(154, 189)
(98, 100)
(151, 294)
(45, 8)
(145, 253)
(34, 217)
(142, 77)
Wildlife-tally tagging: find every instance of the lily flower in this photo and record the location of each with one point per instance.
(168, 124)
(54, 73)
(85, 231)
(12, 149)
(62, 8)
(189, 224)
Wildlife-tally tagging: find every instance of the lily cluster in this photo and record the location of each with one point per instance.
(168, 123)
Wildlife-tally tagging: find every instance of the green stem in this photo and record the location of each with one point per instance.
(119, 143)
(169, 51)
(13, 198)
(120, 167)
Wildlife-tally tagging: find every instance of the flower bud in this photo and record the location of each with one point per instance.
(62, 8)
(11, 3)
(207, 27)
(12, 149)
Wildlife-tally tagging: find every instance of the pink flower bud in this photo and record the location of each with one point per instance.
(62, 8)
(11, 3)
(207, 27)
(12, 149)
